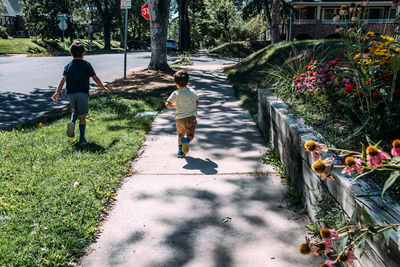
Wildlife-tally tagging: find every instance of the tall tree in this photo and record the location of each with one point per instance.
(107, 10)
(184, 26)
(272, 13)
(159, 17)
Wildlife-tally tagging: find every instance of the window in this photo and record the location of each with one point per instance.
(307, 13)
(374, 13)
(327, 13)
(392, 13)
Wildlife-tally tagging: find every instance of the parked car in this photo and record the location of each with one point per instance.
(137, 44)
(172, 45)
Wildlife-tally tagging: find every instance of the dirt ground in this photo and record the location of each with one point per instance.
(142, 82)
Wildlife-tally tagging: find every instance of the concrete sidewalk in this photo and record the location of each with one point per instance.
(218, 206)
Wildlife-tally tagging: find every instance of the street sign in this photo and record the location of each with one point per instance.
(62, 17)
(145, 11)
(62, 25)
(126, 4)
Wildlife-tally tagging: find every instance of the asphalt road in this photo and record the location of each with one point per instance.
(27, 83)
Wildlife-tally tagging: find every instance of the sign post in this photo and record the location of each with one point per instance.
(63, 23)
(125, 4)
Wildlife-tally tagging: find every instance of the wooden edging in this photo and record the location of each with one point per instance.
(287, 135)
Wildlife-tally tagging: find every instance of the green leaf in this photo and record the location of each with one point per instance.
(353, 218)
(346, 102)
(364, 122)
(365, 217)
(395, 62)
(343, 243)
(364, 153)
(386, 234)
(392, 178)
(361, 244)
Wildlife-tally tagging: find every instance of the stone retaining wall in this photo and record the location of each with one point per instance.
(287, 135)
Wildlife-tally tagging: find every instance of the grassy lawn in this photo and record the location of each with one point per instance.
(52, 47)
(20, 46)
(53, 191)
(234, 49)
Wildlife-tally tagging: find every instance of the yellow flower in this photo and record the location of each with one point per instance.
(40, 124)
(388, 38)
(372, 150)
(370, 34)
(325, 233)
(356, 57)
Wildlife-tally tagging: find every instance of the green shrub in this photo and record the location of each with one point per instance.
(3, 32)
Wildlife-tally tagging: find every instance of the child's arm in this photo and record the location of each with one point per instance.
(100, 84)
(56, 95)
(169, 105)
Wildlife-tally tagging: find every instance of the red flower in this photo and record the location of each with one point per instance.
(302, 75)
(368, 82)
(397, 92)
(294, 77)
(338, 60)
(386, 75)
(375, 95)
(315, 73)
(332, 63)
(312, 61)
(349, 87)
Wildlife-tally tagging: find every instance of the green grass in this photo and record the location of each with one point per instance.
(20, 46)
(44, 219)
(234, 49)
(52, 46)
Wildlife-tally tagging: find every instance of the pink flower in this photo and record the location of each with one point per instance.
(330, 263)
(376, 157)
(315, 148)
(396, 148)
(321, 167)
(353, 164)
(334, 233)
(347, 256)
(327, 246)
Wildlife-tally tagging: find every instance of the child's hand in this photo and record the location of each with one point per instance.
(55, 97)
(106, 90)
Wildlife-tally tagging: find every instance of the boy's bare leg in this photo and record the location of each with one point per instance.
(82, 127)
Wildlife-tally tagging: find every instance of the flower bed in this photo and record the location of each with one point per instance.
(288, 136)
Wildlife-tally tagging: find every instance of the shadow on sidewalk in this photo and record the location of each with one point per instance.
(206, 166)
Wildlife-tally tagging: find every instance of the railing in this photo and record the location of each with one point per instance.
(366, 21)
(305, 21)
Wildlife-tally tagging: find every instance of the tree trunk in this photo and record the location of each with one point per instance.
(184, 26)
(273, 20)
(159, 18)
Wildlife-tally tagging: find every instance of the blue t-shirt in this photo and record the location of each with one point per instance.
(78, 72)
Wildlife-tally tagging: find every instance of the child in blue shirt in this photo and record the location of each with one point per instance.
(77, 74)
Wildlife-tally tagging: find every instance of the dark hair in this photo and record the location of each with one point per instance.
(77, 49)
(181, 78)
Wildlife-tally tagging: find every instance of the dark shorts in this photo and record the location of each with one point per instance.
(186, 126)
(79, 103)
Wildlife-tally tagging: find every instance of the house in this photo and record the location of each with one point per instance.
(314, 18)
(12, 18)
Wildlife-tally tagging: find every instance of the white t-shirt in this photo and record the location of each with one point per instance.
(185, 101)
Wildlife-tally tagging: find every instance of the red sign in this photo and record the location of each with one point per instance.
(145, 12)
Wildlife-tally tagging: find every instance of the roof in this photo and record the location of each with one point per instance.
(12, 8)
